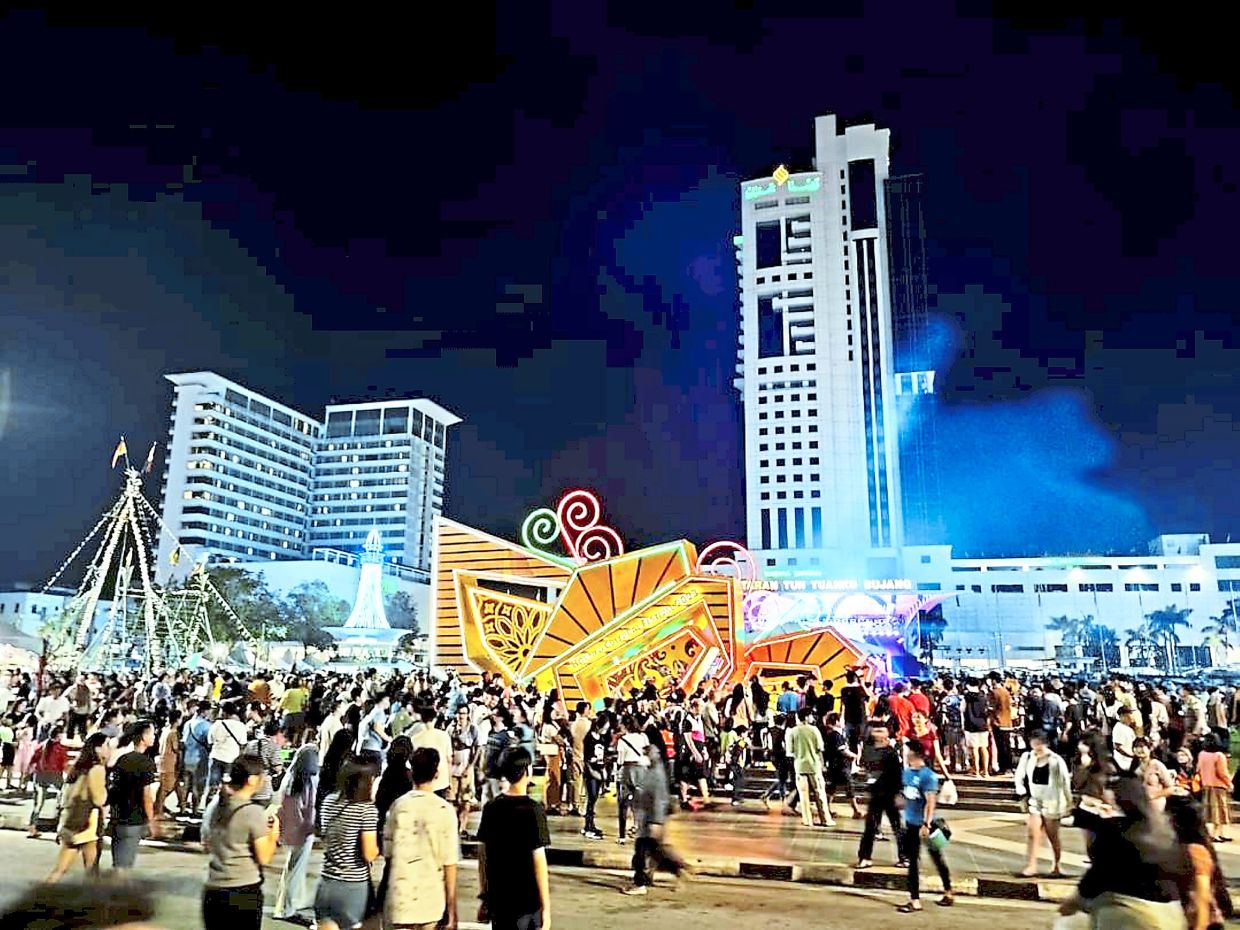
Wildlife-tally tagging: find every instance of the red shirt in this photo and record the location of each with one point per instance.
(902, 707)
(920, 702)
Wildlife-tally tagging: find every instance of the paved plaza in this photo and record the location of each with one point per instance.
(582, 899)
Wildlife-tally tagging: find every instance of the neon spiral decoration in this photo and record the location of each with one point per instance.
(585, 537)
(715, 560)
(540, 529)
(597, 543)
(577, 512)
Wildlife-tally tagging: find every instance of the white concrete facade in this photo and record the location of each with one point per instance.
(248, 479)
(999, 609)
(815, 361)
(380, 465)
(29, 611)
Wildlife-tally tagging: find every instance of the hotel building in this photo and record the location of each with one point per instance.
(248, 479)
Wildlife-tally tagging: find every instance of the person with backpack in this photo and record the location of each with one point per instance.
(594, 771)
(499, 741)
(226, 737)
(196, 755)
(631, 746)
(266, 748)
(81, 809)
(736, 752)
(48, 766)
(241, 837)
(949, 718)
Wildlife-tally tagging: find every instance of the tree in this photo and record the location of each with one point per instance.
(1070, 627)
(402, 612)
(1162, 625)
(931, 626)
(249, 597)
(1221, 632)
(1094, 639)
(309, 609)
(1140, 645)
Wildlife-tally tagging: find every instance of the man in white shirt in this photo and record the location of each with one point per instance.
(420, 837)
(227, 736)
(51, 710)
(426, 735)
(1121, 741)
(332, 724)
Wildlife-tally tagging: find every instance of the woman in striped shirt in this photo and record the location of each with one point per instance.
(350, 824)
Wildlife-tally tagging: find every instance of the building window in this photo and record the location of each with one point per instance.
(1194, 586)
(1051, 588)
(768, 251)
(1177, 586)
(925, 559)
(1229, 584)
(1007, 588)
(1104, 588)
(1141, 587)
(770, 329)
(1227, 561)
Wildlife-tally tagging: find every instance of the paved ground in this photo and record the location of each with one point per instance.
(587, 899)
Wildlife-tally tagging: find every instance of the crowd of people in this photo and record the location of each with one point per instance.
(386, 773)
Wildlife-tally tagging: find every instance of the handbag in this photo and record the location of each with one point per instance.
(940, 834)
(948, 795)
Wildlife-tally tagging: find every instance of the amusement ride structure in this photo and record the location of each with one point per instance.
(146, 626)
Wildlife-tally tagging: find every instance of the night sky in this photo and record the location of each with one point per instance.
(528, 218)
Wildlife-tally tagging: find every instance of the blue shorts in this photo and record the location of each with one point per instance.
(344, 903)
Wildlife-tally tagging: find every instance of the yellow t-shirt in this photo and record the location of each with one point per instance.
(294, 701)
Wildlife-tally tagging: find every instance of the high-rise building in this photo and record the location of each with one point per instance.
(917, 411)
(238, 472)
(816, 368)
(249, 479)
(380, 465)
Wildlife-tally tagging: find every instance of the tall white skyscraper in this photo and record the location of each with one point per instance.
(249, 479)
(815, 361)
(380, 465)
(237, 473)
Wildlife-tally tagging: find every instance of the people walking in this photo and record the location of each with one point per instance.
(131, 794)
(297, 796)
(81, 809)
(48, 768)
(513, 885)
(884, 778)
(806, 749)
(631, 758)
(1045, 784)
(920, 790)
(240, 837)
(650, 851)
(421, 846)
(350, 824)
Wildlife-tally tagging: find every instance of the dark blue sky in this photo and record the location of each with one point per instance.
(528, 217)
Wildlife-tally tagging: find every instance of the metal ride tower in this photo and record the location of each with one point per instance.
(146, 627)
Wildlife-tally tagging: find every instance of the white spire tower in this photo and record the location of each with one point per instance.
(368, 607)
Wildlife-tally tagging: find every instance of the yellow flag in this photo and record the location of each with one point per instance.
(174, 557)
(121, 450)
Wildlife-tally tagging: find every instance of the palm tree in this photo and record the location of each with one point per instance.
(1138, 642)
(1221, 629)
(1162, 625)
(1070, 627)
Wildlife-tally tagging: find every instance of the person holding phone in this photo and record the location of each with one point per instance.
(241, 837)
